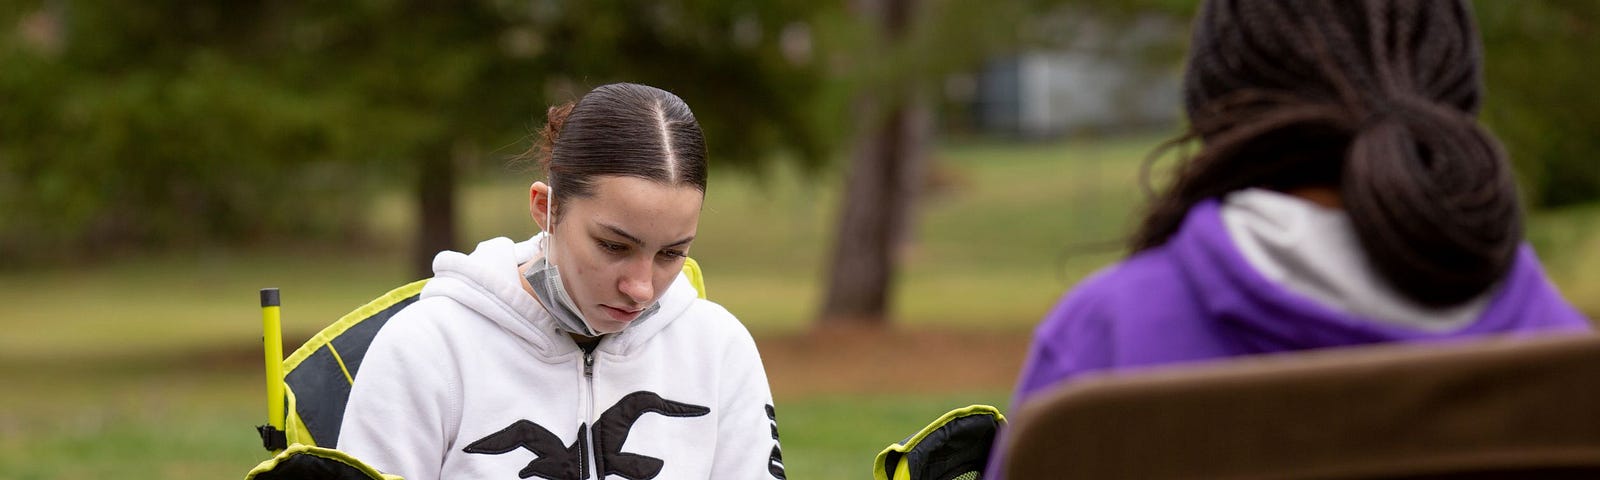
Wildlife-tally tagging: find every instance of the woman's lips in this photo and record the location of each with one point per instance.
(621, 315)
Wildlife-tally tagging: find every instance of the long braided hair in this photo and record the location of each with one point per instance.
(1376, 98)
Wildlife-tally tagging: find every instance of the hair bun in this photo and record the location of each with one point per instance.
(1432, 200)
(555, 118)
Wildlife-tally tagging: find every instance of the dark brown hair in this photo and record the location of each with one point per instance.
(621, 129)
(1376, 98)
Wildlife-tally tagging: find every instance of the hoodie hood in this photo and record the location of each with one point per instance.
(1313, 251)
(1270, 317)
(488, 282)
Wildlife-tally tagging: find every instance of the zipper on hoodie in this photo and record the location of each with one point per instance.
(588, 369)
(591, 461)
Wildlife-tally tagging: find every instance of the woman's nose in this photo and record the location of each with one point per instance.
(636, 283)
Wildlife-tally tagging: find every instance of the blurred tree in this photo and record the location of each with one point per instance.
(461, 73)
(1540, 97)
(890, 54)
(157, 125)
(881, 182)
(433, 85)
(183, 123)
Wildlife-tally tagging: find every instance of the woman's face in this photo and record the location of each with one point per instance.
(620, 248)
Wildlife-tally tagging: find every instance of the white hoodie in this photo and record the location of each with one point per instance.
(476, 381)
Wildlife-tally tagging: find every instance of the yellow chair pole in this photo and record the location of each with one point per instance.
(272, 343)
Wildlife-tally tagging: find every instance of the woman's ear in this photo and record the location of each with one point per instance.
(539, 204)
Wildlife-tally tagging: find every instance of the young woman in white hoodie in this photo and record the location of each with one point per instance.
(583, 352)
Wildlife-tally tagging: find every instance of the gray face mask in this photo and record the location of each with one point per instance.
(552, 293)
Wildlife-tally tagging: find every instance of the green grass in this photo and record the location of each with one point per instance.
(110, 422)
(837, 437)
(145, 368)
(94, 420)
(179, 302)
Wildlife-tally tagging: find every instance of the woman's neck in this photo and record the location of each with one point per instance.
(1327, 197)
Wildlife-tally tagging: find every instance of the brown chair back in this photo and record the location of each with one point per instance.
(1480, 409)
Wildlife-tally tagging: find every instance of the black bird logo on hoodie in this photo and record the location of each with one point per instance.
(558, 461)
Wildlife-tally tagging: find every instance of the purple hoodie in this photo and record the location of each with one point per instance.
(1197, 298)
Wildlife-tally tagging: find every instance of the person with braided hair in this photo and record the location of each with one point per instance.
(1343, 194)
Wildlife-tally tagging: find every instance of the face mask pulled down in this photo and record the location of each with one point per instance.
(552, 294)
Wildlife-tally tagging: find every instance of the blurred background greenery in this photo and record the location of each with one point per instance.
(159, 163)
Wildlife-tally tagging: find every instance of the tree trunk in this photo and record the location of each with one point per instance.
(436, 209)
(881, 188)
(876, 215)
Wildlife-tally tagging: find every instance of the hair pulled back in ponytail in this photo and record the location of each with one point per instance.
(1376, 98)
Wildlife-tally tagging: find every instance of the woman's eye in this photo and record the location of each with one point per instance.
(612, 247)
(672, 254)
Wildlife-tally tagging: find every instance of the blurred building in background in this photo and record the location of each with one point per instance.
(1047, 94)
(1103, 80)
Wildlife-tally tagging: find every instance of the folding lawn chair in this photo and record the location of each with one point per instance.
(954, 447)
(307, 392)
(1500, 408)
